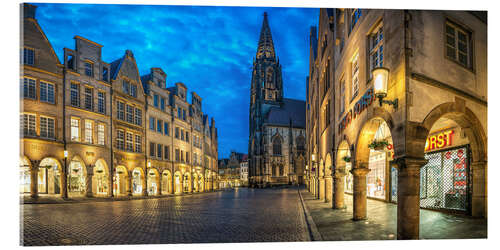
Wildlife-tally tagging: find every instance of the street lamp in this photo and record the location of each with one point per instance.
(380, 79)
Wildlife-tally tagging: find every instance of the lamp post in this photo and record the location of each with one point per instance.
(380, 79)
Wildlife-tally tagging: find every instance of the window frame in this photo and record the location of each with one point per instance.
(74, 102)
(138, 143)
(101, 134)
(377, 48)
(86, 132)
(78, 138)
(48, 130)
(26, 123)
(90, 97)
(354, 75)
(26, 56)
(469, 42)
(101, 102)
(120, 140)
(29, 84)
(87, 70)
(47, 94)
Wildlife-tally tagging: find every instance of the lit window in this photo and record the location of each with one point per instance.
(29, 88)
(75, 129)
(88, 131)
(100, 134)
(376, 48)
(28, 124)
(29, 56)
(138, 143)
(120, 110)
(120, 139)
(458, 44)
(47, 92)
(75, 94)
(89, 98)
(129, 143)
(89, 69)
(101, 102)
(130, 114)
(355, 76)
(138, 116)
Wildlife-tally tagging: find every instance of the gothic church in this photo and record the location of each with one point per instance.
(276, 144)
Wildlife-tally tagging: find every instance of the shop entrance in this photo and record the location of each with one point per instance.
(177, 183)
(77, 177)
(166, 180)
(153, 181)
(137, 178)
(186, 183)
(100, 179)
(380, 154)
(195, 182)
(25, 176)
(120, 181)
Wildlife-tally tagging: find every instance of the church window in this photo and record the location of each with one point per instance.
(276, 146)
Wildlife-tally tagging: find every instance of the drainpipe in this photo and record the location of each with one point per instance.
(111, 140)
(146, 174)
(65, 172)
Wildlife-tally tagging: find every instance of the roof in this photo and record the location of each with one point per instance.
(115, 67)
(145, 79)
(291, 110)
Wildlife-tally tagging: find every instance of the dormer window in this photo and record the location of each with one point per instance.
(89, 69)
(105, 73)
(133, 90)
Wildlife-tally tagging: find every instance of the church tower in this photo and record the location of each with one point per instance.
(266, 92)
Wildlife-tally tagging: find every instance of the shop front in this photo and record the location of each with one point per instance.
(77, 177)
(137, 178)
(445, 179)
(25, 176)
(100, 179)
(120, 181)
(153, 182)
(177, 183)
(166, 180)
(186, 183)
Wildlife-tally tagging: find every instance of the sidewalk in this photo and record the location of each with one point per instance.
(26, 199)
(337, 225)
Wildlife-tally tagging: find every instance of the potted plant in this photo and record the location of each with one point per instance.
(346, 158)
(378, 145)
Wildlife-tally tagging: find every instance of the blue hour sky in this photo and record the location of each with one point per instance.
(210, 49)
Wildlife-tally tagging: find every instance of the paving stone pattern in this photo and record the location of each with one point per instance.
(241, 215)
(337, 225)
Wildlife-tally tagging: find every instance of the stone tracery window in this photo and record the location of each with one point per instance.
(277, 146)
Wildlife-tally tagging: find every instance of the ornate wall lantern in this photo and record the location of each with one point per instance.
(380, 79)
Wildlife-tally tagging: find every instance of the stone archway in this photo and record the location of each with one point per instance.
(178, 182)
(328, 178)
(370, 133)
(321, 179)
(100, 178)
(201, 183)
(186, 182)
(195, 182)
(120, 181)
(166, 182)
(153, 181)
(77, 181)
(137, 181)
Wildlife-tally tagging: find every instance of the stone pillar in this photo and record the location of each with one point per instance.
(64, 181)
(88, 181)
(359, 192)
(478, 170)
(338, 202)
(409, 197)
(144, 184)
(34, 180)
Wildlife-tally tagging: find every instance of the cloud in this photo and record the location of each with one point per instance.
(210, 49)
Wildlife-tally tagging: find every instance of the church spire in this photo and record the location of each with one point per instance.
(266, 45)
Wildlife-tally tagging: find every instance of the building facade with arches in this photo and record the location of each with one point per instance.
(426, 150)
(88, 126)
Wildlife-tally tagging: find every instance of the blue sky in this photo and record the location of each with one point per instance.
(210, 49)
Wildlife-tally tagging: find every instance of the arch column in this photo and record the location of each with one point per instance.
(64, 180)
(409, 197)
(359, 191)
(478, 188)
(144, 183)
(88, 181)
(338, 192)
(130, 181)
(34, 179)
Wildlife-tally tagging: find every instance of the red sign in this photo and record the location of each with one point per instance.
(440, 140)
(363, 103)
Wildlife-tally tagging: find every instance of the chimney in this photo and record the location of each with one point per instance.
(29, 10)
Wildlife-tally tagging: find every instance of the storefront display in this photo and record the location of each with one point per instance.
(25, 179)
(152, 183)
(136, 182)
(76, 177)
(120, 181)
(186, 183)
(375, 179)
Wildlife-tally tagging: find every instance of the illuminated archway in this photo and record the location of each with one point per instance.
(178, 182)
(25, 175)
(201, 182)
(137, 181)
(195, 182)
(77, 181)
(100, 180)
(186, 182)
(153, 182)
(49, 176)
(166, 181)
(344, 165)
(120, 181)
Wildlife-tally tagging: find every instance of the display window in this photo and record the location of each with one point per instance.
(152, 183)
(42, 180)
(120, 181)
(178, 186)
(76, 177)
(25, 179)
(375, 179)
(136, 182)
(444, 180)
(186, 183)
(165, 183)
(101, 178)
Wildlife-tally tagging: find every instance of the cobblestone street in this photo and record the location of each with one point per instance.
(241, 215)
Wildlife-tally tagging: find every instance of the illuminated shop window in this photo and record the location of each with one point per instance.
(75, 129)
(76, 177)
(136, 181)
